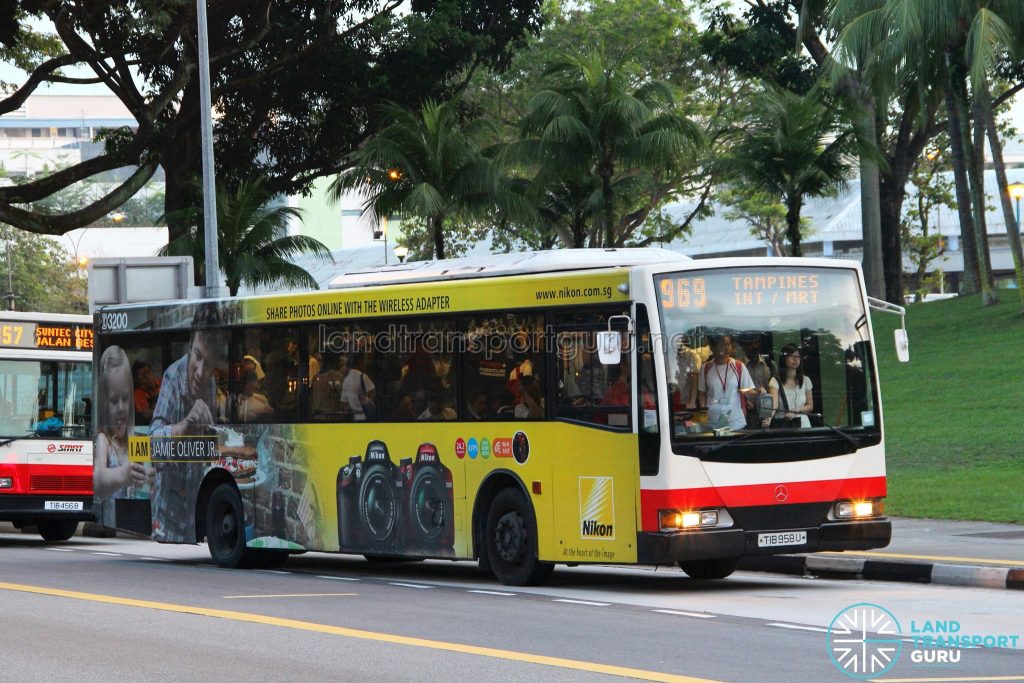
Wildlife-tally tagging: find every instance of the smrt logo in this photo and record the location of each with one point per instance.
(51, 448)
(70, 448)
(864, 640)
(597, 508)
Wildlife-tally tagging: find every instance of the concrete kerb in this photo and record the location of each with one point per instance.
(887, 570)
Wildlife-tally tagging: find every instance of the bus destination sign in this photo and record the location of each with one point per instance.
(739, 290)
(50, 336)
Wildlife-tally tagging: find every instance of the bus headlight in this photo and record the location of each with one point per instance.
(674, 520)
(857, 509)
(6, 482)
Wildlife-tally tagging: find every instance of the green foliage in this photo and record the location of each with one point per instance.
(607, 148)
(923, 245)
(795, 147)
(952, 423)
(759, 44)
(765, 215)
(253, 246)
(40, 273)
(295, 84)
(429, 165)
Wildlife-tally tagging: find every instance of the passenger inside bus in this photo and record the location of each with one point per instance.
(251, 405)
(476, 409)
(146, 391)
(687, 364)
(794, 389)
(403, 411)
(437, 408)
(325, 401)
(358, 390)
(531, 400)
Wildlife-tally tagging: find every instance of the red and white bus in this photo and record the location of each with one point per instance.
(470, 409)
(45, 421)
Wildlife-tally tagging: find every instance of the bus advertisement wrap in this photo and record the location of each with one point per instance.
(303, 490)
(474, 415)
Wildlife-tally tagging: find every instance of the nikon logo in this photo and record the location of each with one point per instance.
(597, 508)
(592, 528)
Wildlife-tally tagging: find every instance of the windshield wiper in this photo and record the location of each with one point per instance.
(732, 440)
(746, 435)
(853, 442)
(8, 440)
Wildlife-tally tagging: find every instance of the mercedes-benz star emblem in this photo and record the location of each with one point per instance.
(781, 493)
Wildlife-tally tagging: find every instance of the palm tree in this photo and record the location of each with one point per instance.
(968, 35)
(428, 165)
(606, 146)
(794, 149)
(253, 244)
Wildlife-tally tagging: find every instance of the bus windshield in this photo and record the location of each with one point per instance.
(46, 398)
(777, 350)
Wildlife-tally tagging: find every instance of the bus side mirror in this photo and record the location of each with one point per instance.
(902, 346)
(609, 347)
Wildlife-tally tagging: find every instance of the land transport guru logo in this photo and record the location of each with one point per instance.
(864, 640)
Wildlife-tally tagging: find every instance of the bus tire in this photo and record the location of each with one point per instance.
(57, 529)
(710, 569)
(225, 528)
(510, 539)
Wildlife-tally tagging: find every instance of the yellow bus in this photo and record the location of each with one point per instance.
(525, 410)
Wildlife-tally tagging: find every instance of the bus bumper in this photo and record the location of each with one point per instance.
(673, 547)
(32, 509)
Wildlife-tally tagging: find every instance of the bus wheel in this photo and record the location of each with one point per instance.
(511, 541)
(225, 532)
(57, 529)
(710, 569)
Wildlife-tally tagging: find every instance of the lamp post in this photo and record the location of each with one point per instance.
(211, 256)
(1016, 191)
(401, 252)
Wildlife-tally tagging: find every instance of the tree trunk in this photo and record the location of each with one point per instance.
(872, 262)
(971, 282)
(1012, 229)
(976, 167)
(892, 192)
(793, 205)
(437, 232)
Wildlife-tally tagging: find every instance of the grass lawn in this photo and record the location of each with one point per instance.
(954, 415)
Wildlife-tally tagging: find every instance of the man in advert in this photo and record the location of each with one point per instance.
(185, 407)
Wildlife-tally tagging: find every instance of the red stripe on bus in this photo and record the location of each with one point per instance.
(747, 495)
(49, 479)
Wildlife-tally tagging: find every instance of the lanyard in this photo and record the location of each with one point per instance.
(722, 377)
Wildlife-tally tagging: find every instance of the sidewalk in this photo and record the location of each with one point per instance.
(980, 554)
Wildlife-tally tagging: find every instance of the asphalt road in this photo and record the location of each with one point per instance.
(125, 610)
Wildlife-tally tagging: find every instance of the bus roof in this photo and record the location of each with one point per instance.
(497, 265)
(31, 316)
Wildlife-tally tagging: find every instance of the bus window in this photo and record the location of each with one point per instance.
(501, 352)
(279, 349)
(587, 390)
